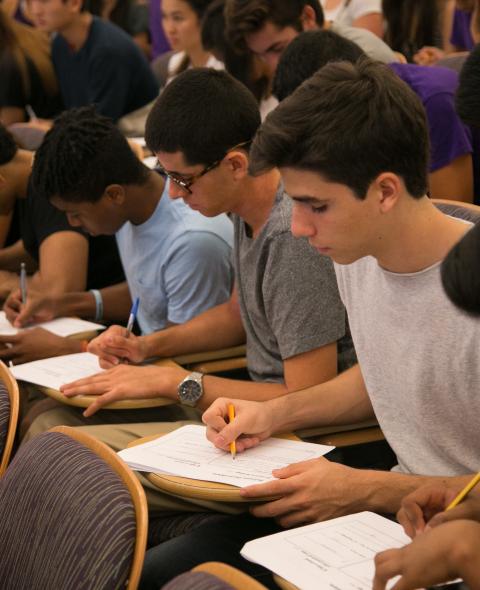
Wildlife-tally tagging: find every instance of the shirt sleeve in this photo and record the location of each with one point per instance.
(197, 275)
(302, 302)
(449, 137)
(359, 8)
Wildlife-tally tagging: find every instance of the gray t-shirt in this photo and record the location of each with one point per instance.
(288, 294)
(372, 45)
(420, 359)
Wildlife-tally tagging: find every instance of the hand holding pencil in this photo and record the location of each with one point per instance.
(246, 424)
(432, 505)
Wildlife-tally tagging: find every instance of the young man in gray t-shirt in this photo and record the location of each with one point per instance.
(356, 171)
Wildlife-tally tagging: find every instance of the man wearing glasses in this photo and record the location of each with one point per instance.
(285, 302)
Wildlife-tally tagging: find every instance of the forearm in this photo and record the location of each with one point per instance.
(116, 303)
(383, 491)
(342, 400)
(12, 256)
(219, 327)
(215, 387)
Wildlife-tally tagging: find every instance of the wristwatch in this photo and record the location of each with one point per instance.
(190, 389)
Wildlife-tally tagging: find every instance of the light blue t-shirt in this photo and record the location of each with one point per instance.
(178, 263)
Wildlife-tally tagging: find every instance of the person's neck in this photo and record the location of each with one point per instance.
(418, 236)
(23, 161)
(76, 33)
(198, 57)
(256, 198)
(142, 200)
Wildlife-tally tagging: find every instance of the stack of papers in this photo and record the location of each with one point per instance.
(59, 326)
(58, 370)
(336, 554)
(186, 452)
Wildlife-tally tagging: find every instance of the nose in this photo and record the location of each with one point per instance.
(300, 226)
(168, 26)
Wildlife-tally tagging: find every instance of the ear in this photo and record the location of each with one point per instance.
(388, 188)
(237, 163)
(308, 18)
(76, 5)
(3, 180)
(115, 194)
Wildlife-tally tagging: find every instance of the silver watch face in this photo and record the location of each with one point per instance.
(190, 391)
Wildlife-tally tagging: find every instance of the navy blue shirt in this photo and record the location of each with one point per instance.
(109, 71)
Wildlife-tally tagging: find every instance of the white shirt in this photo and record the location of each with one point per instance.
(347, 13)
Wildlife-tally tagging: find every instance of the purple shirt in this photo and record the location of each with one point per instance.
(436, 87)
(461, 36)
(159, 41)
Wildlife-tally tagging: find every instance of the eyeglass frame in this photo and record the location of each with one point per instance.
(186, 184)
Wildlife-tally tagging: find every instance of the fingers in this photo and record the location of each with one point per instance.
(100, 402)
(387, 566)
(12, 306)
(420, 506)
(412, 520)
(95, 385)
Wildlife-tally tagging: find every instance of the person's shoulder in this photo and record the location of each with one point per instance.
(109, 40)
(279, 220)
(428, 81)
(368, 41)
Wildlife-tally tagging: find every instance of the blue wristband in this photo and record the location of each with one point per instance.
(98, 304)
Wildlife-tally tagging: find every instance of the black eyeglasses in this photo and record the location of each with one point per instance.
(184, 183)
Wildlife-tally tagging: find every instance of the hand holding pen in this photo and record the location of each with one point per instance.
(132, 317)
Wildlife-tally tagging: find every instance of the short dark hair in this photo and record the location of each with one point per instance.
(202, 113)
(468, 93)
(8, 147)
(306, 54)
(460, 272)
(81, 155)
(245, 17)
(349, 123)
(241, 65)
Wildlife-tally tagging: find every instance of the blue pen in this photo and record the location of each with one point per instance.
(23, 282)
(132, 317)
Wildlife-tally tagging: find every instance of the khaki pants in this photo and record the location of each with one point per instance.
(118, 436)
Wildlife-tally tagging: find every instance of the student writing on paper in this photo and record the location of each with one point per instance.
(168, 251)
(60, 258)
(387, 239)
(446, 543)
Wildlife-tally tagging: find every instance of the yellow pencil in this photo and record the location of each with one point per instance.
(231, 417)
(464, 492)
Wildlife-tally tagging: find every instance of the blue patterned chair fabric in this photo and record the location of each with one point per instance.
(4, 416)
(197, 581)
(67, 520)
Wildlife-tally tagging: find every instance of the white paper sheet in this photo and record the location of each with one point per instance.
(334, 555)
(58, 370)
(187, 452)
(58, 326)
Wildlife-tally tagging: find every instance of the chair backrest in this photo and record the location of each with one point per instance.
(72, 515)
(9, 407)
(466, 211)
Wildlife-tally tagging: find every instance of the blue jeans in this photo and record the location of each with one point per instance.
(217, 541)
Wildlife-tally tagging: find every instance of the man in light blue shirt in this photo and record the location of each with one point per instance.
(175, 260)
